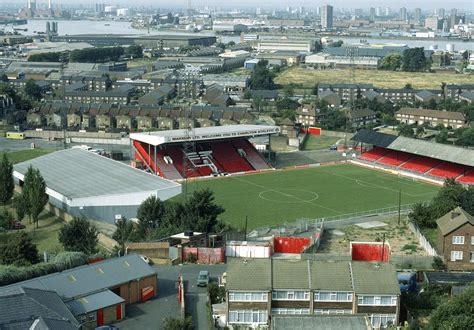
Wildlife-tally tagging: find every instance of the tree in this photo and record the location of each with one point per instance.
(422, 215)
(262, 77)
(125, 232)
(289, 90)
(442, 137)
(247, 95)
(46, 57)
(405, 130)
(414, 60)
(178, 324)
(391, 62)
(447, 198)
(420, 131)
(203, 211)
(456, 313)
(467, 200)
(32, 90)
(466, 139)
(134, 51)
(34, 192)
(7, 185)
(79, 235)
(18, 250)
(21, 207)
(150, 213)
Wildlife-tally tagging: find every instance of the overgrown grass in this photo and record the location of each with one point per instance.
(381, 79)
(23, 155)
(431, 235)
(319, 142)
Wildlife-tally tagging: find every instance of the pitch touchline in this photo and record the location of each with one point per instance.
(287, 195)
(374, 185)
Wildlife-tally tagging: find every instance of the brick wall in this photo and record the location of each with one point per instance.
(447, 243)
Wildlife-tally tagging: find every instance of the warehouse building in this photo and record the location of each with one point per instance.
(92, 295)
(82, 183)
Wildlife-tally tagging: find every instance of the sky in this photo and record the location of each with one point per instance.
(466, 5)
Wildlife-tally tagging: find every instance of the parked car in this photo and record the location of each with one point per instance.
(17, 225)
(333, 147)
(223, 279)
(203, 278)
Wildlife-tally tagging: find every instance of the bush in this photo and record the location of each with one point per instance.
(63, 261)
(438, 264)
(192, 258)
(216, 293)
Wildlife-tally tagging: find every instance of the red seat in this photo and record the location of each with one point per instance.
(394, 158)
(448, 170)
(374, 154)
(420, 164)
(468, 177)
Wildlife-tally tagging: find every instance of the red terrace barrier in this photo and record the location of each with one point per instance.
(311, 130)
(208, 256)
(291, 244)
(370, 252)
(94, 260)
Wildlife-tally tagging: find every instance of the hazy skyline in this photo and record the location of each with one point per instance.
(467, 5)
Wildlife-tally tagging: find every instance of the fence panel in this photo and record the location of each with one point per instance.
(422, 240)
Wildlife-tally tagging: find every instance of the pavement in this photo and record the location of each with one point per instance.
(151, 315)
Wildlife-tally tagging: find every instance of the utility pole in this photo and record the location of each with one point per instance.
(246, 222)
(383, 247)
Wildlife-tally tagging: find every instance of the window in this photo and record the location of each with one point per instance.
(332, 311)
(82, 319)
(333, 296)
(290, 295)
(91, 317)
(472, 240)
(377, 300)
(248, 296)
(382, 320)
(456, 255)
(290, 311)
(248, 316)
(471, 259)
(458, 239)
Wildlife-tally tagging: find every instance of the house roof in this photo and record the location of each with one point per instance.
(85, 280)
(425, 94)
(45, 323)
(324, 94)
(287, 121)
(360, 113)
(327, 275)
(374, 278)
(306, 110)
(453, 220)
(249, 274)
(291, 274)
(467, 95)
(22, 304)
(432, 113)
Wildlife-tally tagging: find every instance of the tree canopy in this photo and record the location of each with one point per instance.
(79, 235)
(414, 60)
(7, 184)
(150, 213)
(96, 55)
(34, 192)
(32, 90)
(456, 313)
(18, 250)
(262, 77)
(391, 62)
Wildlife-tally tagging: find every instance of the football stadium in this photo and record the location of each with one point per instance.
(225, 160)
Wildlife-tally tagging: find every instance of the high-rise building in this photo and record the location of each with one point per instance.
(403, 14)
(50, 4)
(418, 15)
(378, 11)
(327, 17)
(387, 11)
(358, 12)
(258, 11)
(433, 23)
(372, 13)
(440, 12)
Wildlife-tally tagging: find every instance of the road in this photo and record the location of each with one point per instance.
(151, 315)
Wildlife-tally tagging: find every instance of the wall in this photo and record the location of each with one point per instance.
(205, 255)
(248, 251)
(370, 251)
(291, 244)
(149, 249)
(467, 231)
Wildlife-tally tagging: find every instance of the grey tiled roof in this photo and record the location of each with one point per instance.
(94, 302)
(291, 274)
(327, 275)
(453, 220)
(248, 274)
(374, 278)
(23, 304)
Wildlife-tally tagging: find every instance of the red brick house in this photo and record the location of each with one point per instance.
(456, 239)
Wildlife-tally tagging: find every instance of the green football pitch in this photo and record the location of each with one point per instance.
(274, 198)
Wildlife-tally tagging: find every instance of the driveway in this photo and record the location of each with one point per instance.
(151, 315)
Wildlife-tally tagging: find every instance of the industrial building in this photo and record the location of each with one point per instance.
(81, 183)
(91, 295)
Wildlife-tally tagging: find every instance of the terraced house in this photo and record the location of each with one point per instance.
(258, 289)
